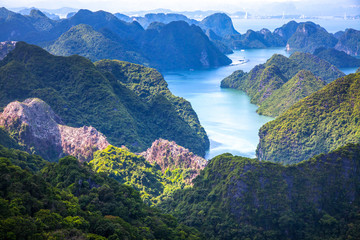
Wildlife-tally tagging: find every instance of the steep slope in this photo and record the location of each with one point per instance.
(310, 36)
(220, 23)
(81, 95)
(40, 131)
(266, 79)
(109, 37)
(319, 67)
(147, 84)
(5, 48)
(132, 170)
(253, 39)
(286, 30)
(67, 200)
(338, 58)
(170, 156)
(298, 87)
(241, 198)
(173, 46)
(167, 168)
(163, 18)
(85, 41)
(349, 42)
(99, 21)
(317, 124)
(192, 48)
(14, 26)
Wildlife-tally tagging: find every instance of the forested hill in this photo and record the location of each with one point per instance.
(280, 82)
(81, 94)
(68, 200)
(319, 123)
(240, 198)
(100, 35)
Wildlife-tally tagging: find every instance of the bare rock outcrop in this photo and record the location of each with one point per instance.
(5, 48)
(169, 155)
(35, 126)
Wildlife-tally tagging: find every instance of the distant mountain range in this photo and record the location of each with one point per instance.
(176, 45)
(170, 41)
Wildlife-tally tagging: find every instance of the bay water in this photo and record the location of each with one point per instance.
(227, 115)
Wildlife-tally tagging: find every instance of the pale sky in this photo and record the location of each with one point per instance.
(190, 5)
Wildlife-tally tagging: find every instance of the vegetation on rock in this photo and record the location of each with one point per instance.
(310, 36)
(154, 177)
(349, 42)
(68, 200)
(338, 58)
(240, 198)
(303, 84)
(319, 123)
(269, 85)
(81, 95)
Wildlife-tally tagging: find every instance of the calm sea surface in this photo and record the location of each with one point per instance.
(227, 115)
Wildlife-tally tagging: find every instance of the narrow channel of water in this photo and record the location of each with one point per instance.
(227, 115)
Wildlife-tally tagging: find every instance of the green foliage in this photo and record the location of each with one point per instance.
(240, 198)
(298, 87)
(322, 122)
(133, 170)
(67, 200)
(317, 66)
(148, 83)
(338, 58)
(349, 42)
(22, 159)
(85, 41)
(7, 141)
(130, 169)
(281, 81)
(82, 95)
(310, 36)
(99, 35)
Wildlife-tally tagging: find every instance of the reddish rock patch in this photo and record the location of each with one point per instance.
(169, 155)
(35, 125)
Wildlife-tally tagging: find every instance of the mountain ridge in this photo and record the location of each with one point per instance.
(81, 95)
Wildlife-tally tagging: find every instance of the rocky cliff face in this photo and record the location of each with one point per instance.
(349, 42)
(169, 155)
(220, 23)
(5, 48)
(35, 125)
(310, 36)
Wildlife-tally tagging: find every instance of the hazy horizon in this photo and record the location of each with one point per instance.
(257, 7)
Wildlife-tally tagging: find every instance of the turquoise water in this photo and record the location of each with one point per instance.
(348, 70)
(227, 115)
